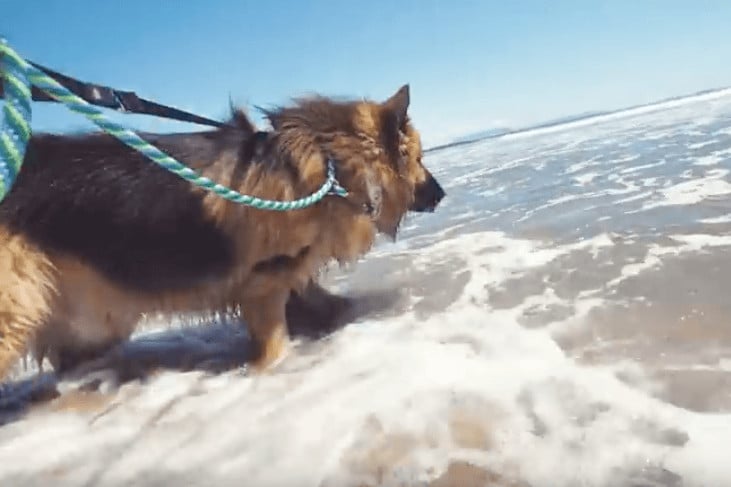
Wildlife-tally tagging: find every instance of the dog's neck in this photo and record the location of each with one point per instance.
(372, 207)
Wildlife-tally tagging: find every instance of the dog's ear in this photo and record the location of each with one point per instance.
(398, 105)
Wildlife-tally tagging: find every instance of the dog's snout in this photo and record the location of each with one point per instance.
(428, 195)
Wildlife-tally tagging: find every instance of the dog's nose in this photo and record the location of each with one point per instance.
(428, 195)
(439, 193)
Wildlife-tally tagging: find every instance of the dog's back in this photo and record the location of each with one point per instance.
(94, 198)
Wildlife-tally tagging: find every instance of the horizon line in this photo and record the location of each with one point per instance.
(572, 118)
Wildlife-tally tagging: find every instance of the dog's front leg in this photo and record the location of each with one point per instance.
(265, 316)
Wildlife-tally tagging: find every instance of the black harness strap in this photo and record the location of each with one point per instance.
(123, 101)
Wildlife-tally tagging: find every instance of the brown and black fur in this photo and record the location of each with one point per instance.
(93, 235)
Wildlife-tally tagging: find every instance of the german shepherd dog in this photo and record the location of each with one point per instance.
(93, 235)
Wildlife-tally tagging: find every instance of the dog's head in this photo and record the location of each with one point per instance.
(404, 153)
(376, 149)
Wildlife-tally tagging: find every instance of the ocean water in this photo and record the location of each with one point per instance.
(563, 319)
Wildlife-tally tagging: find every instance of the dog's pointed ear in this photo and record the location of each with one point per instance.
(398, 104)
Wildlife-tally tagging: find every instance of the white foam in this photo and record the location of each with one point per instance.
(656, 255)
(636, 197)
(587, 178)
(551, 419)
(719, 219)
(653, 259)
(693, 191)
(698, 242)
(551, 203)
(642, 167)
(578, 166)
(710, 160)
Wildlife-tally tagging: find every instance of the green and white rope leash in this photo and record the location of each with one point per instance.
(15, 132)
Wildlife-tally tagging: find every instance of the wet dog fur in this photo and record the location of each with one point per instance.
(93, 235)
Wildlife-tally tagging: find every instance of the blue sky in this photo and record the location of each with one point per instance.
(471, 64)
